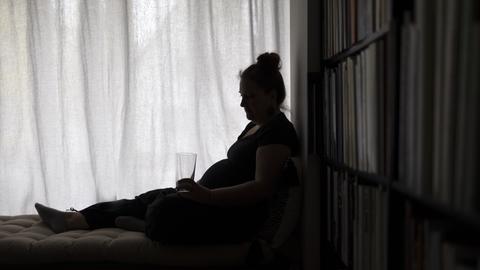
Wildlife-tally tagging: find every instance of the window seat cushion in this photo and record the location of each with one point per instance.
(24, 239)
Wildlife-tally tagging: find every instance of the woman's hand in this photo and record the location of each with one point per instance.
(189, 189)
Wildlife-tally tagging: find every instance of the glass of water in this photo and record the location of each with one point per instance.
(185, 166)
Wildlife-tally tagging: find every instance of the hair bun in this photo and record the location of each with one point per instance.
(269, 61)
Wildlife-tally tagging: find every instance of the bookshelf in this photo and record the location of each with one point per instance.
(394, 115)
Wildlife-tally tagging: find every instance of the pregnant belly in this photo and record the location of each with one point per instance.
(222, 174)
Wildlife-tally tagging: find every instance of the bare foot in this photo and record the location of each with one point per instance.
(54, 218)
(60, 221)
(76, 221)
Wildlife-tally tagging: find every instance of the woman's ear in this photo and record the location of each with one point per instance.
(273, 95)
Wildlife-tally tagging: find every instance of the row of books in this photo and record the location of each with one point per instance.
(357, 221)
(439, 117)
(428, 246)
(356, 113)
(348, 21)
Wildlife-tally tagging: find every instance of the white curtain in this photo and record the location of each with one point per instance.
(97, 96)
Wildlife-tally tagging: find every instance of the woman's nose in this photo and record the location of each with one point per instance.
(242, 103)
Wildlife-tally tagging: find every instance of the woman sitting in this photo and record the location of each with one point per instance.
(229, 203)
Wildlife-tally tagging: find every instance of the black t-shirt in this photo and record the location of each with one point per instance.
(239, 167)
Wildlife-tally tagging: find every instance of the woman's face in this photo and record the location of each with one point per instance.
(259, 105)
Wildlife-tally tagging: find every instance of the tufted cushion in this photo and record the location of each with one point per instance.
(25, 239)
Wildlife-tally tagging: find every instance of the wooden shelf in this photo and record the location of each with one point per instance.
(357, 47)
(364, 178)
(458, 217)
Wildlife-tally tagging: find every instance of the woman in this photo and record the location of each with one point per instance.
(229, 202)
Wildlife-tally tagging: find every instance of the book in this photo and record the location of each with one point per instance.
(438, 100)
(371, 117)
(462, 130)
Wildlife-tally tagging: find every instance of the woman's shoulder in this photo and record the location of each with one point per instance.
(280, 122)
(279, 130)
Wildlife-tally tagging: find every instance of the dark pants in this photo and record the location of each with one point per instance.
(171, 219)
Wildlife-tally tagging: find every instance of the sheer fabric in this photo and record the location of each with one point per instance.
(97, 96)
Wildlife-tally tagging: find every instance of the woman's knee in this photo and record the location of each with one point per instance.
(164, 219)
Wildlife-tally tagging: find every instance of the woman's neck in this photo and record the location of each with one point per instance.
(266, 119)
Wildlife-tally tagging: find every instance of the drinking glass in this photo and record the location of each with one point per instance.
(185, 168)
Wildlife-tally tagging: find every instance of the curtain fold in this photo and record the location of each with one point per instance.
(97, 96)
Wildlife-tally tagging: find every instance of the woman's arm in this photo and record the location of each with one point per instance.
(270, 160)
